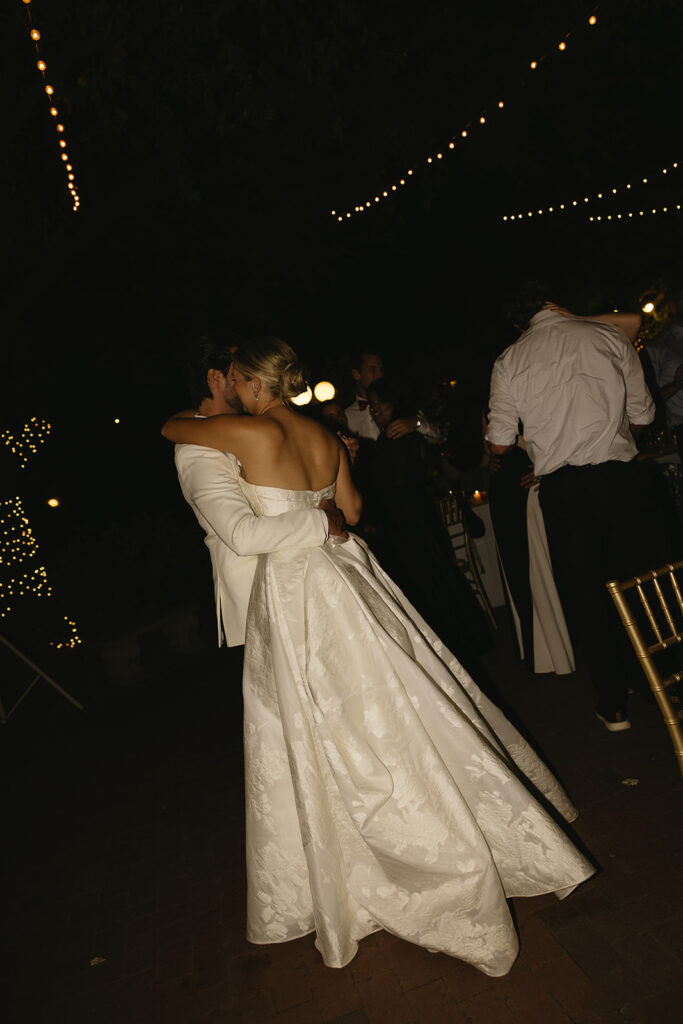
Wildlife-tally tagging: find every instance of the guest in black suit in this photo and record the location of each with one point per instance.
(404, 528)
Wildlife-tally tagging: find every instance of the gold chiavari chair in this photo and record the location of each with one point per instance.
(657, 597)
(465, 551)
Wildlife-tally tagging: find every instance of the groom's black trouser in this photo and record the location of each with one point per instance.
(602, 524)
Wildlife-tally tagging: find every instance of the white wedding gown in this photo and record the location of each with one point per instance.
(383, 789)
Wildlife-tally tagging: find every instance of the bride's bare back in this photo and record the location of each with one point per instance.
(291, 451)
(280, 448)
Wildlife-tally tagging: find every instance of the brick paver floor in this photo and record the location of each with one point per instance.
(123, 899)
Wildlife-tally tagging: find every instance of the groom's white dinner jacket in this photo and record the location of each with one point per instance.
(234, 535)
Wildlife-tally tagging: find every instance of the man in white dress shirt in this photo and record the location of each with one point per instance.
(209, 482)
(367, 368)
(577, 386)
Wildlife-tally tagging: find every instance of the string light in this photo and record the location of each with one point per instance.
(33, 434)
(32, 582)
(481, 119)
(605, 193)
(49, 90)
(18, 544)
(631, 214)
(72, 640)
(304, 398)
(324, 391)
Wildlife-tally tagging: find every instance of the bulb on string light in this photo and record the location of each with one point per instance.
(35, 35)
(41, 65)
(60, 127)
(592, 20)
(533, 65)
(304, 398)
(54, 111)
(324, 391)
(49, 90)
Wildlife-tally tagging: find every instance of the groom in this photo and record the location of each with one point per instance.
(210, 485)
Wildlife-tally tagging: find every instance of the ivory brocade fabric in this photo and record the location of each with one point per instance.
(383, 789)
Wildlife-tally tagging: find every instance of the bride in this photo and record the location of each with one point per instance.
(383, 789)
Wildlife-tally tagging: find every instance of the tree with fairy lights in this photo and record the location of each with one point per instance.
(21, 572)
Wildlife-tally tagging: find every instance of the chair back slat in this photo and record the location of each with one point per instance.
(676, 589)
(466, 554)
(634, 622)
(664, 606)
(648, 611)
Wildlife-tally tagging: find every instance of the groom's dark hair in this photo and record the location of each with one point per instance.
(204, 354)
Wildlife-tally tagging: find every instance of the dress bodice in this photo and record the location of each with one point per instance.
(271, 501)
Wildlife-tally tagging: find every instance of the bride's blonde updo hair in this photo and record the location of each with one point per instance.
(275, 363)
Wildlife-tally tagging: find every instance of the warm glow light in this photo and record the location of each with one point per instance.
(35, 35)
(60, 127)
(324, 391)
(53, 502)
(117, 420)
(533, 65)
(41, 65)
(54, 111)
(304, 398)
(62, 143)
(649, 307)
(49, 90)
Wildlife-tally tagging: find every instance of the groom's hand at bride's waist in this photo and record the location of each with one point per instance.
(335, 518)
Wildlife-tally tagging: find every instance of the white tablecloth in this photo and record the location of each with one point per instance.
(486, 549)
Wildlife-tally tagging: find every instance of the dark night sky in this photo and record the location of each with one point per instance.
(211, 141)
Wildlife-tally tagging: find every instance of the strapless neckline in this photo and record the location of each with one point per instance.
(286, 490)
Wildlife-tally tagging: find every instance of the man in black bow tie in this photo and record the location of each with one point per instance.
(366, 368)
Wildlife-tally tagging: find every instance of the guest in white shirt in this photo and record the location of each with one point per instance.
(368, 367)
(209, 482)
(577, 385)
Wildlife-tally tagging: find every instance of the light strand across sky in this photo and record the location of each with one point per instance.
(633, 214)
(465, 133)
(54, 112)
(605, 193)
